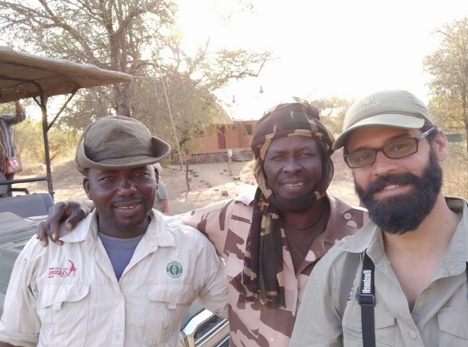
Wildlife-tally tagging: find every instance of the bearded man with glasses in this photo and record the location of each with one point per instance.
(402, 279)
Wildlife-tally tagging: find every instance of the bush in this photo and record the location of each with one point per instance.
(30, 143)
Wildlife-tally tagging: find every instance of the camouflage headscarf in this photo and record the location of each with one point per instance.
(262, 278)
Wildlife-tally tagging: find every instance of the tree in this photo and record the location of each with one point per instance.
(184, 90)
(135, 37)
(28, 139)
(332, 111)
(109, 34)
(449, 69)
(448, 66)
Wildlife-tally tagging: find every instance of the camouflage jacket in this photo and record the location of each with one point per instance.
(227, 225)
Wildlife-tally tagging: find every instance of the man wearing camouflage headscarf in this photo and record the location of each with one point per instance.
(271, 241)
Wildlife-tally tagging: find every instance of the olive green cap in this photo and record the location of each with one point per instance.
(392, 108)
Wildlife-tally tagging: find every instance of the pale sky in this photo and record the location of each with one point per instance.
(324, 48)
(343, 48)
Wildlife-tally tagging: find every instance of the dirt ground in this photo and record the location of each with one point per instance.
(208, 182)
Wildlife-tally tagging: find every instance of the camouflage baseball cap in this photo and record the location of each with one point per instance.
(393, 108)
(117, 142)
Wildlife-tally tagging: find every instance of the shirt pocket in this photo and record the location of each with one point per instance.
(64, 313)
(167, 303)
(352, 325)
(453, 325)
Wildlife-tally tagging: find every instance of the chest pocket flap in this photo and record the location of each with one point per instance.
(55, 295)
(172, 294)
(352, 317)
(454, 322)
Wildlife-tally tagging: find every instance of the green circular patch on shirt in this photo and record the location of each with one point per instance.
(174, 269)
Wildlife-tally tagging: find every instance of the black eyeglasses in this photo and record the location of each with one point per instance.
(395, 150)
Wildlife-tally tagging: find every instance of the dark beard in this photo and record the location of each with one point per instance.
(403, 213)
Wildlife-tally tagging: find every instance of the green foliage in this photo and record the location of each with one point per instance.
(447, 114)
(30, 144)
(332, 111)
(132, 37)
(448, 66)
(456, 171)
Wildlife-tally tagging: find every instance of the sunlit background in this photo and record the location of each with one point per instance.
(322, 48)
(321, 51)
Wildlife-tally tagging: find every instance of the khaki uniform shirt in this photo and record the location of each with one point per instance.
(70, 296)
(439, 316)
(227, 225)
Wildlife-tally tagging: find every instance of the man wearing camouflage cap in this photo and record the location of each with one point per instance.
(127, 274)
(271, 241)
(402, 279)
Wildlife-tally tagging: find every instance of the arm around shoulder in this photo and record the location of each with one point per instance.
(69, 212)
(212, 221)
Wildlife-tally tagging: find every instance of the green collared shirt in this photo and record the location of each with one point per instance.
(439, 316)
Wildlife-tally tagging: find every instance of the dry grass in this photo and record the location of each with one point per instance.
(213, 182)
(208, 182)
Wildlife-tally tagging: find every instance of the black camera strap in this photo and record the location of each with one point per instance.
(367, 302)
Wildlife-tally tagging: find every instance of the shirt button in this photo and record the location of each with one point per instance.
(149, 342)
(413, 335)
(347, 216)
(272, 339)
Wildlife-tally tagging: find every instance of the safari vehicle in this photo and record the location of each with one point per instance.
(24, 76)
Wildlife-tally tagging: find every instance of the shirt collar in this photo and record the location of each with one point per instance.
(247, 197)
(370, 236)
(342, 217)
(158, 234)
(81, 231)
(160, 231)
(458, 246)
